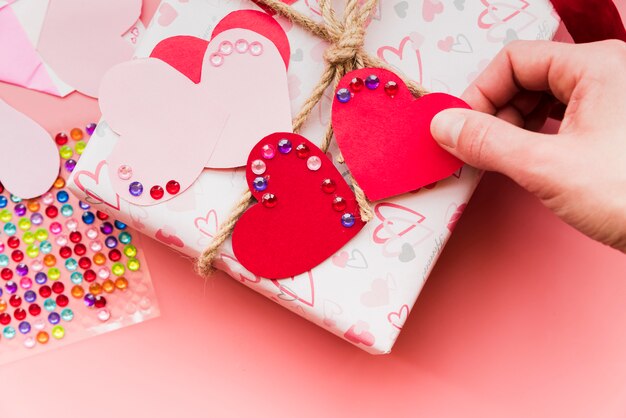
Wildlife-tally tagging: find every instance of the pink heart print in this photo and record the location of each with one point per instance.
(398, 225)
(25, 145)
(81, 39)
(430, 9)
(242, 96)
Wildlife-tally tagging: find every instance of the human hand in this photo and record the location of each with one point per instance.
(580, 173)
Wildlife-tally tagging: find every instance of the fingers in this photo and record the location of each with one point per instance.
(489, 143)
(529, 65)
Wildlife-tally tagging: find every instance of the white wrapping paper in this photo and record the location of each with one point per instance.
(365, 292)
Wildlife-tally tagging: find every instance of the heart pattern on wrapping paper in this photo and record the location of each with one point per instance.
(398, 227)
(406, 56)
(503, 16)
(294, 215)
(298, 289)
(207, 225)
(359, 334)
(390, 156)
(217, 127)
(397, 319)
(85, 180)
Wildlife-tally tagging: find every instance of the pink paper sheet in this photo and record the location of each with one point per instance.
(21, 64)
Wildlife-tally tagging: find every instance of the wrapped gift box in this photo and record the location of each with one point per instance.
(365, 291)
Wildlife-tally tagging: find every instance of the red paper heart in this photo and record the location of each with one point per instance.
(185, 53)
(304, 228)
(385, 138)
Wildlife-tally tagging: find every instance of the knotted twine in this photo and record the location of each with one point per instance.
(346, 36)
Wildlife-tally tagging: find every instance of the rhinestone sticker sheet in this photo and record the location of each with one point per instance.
(67, 270)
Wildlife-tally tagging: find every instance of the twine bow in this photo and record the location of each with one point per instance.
(346, 36)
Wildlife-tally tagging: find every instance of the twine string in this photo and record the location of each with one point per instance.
(346, 37)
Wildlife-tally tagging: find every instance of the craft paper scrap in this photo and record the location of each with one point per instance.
(21, 26)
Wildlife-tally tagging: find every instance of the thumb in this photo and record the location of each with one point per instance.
(489, 143)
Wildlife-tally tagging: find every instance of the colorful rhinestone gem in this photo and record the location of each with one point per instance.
(67, 314)
(303, 151)
(356, 84)
(156, 192)
(391, 88)
(19, 314)
(256, 48)
(133, 264)
(268, 151)
(24, 327)
(89, 300)
(76, 134)
(314, 163)
(62, 301)
(284, 146)
(43, 337)
(34, 309)
(344, 95)
(70, 165)
(61, 138)
(90, 128)
(54, 318)
(172, 187)
(372, 82)
(259, 184)
(258, 167)
(125, 172)
(77, 292)
(104, 315)
(329, 186)
(269, 200)
(58, 332)
(135, 188)
(88, 218)
(348, 220)
(339, 204)
(241, 46)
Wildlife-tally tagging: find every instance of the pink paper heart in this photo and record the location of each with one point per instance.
(188, 126)
(29, 159)
(81, 40)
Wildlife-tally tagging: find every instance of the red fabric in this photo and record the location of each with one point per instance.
(591, 20)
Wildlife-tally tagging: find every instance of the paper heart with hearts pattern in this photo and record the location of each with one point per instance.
(76, 29)
(153, 106)
(297, 224)
(23, 144)
(385, 137)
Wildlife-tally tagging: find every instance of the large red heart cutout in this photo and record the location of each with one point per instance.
(305, 212)
(383, 133)
(185, 53)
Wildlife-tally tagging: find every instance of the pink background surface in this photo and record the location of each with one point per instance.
(522, 317)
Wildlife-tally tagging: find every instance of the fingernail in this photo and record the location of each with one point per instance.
(446, 127)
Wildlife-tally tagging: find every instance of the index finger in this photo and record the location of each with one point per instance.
(529, 65)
